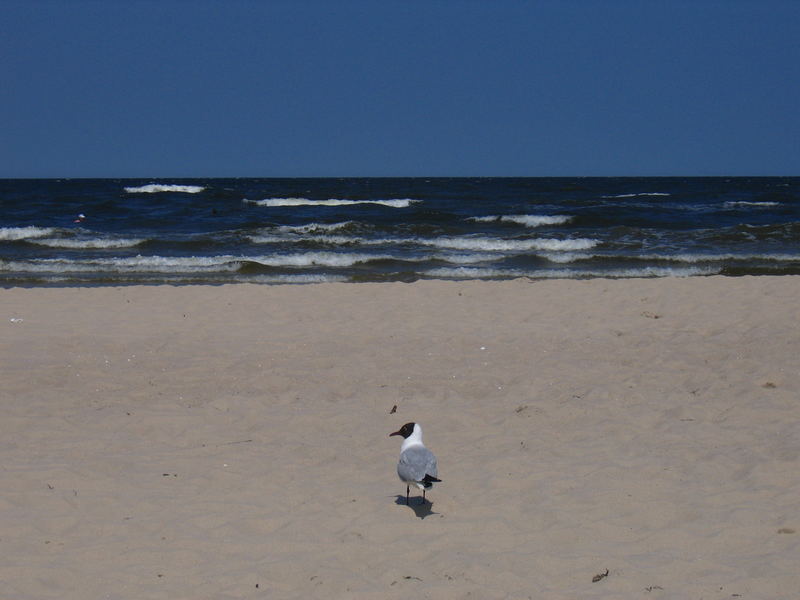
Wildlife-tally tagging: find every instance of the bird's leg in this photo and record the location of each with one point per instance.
(407, 492)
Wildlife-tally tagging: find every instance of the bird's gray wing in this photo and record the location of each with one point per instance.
(415, 463)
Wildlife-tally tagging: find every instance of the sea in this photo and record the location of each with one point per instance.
(67, 232)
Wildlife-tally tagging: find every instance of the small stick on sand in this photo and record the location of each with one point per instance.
(599, 576)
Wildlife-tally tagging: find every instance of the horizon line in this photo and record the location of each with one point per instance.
(194, 177)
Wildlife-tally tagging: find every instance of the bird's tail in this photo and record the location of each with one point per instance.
(428, 481)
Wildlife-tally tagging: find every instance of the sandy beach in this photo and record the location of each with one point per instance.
(596, 439)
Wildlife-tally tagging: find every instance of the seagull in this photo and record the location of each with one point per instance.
(417, 464)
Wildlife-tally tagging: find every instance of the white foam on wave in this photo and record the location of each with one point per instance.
(172, 263)
(465, 259)
(474, 273)
(148, 264)
(312, 228)
(272, 239)
(526, 220)
(478, 273)
(566, 257)
(638, 194)
(652, 272)
(537, 220)
(570, 257)
(273, 202)
(479, 244)
(501, 245)
(744, 203)
(696, 258)
(155, 188)
(334, 240)
(310, 259)
(299, 279)
(11, 234)
(89, 244)
(187, 264)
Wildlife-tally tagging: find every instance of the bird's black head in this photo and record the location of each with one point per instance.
(406, 430)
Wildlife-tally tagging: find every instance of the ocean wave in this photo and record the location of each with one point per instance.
(332, 240)
(12, 234)
(643, 272)
(299, 279)
(567, 257)
(697, 258)
(484, 244)
(317, 259)
(474, 273)
(274, 202)
(313, 228)
(147, 264)
(638, 194)
(465, 259)
(155, 188)
(187, 278)
(501, 245)
(272, 239)
(688, 258)
(186, 264)
(743, 203)
(88, 244)
(526, 220)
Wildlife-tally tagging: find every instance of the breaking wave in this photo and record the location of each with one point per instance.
(88, 244)
(324, 259)
(743, 203)
(148, 264)
(12, 234)
(490, 273)
(484, 244)
(316, 228)
(273, 202)
(186, 264)
(527, 220)
(500, 245)
(638, 194)
(155, 188)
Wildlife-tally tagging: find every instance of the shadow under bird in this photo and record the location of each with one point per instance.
(417, 465)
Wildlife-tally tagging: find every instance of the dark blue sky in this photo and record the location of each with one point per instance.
(383, 88)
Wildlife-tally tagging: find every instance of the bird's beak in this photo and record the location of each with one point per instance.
(395, 433)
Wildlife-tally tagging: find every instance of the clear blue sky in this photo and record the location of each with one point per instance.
(204, 88)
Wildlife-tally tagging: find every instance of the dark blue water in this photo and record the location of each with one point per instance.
(307, 230)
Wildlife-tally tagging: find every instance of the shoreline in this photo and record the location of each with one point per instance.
(215, 441)
(519, 279)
